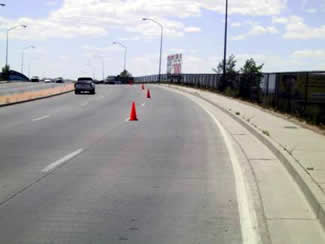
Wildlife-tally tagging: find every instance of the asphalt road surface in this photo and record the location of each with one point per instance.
(73, 170)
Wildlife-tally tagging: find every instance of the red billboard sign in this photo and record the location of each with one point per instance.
(174, 64)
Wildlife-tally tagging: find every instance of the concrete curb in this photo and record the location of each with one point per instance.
(312, 192)
(37, 98)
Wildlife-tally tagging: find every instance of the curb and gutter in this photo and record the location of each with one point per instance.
(312, 192)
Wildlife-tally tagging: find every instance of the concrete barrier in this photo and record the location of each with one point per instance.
(26, 96)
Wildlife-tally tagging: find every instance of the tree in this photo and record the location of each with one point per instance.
(5, 72)
(250, 80)
(231, 73)
(125, 73)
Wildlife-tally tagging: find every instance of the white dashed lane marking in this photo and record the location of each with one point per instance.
(61, 161)
(41, 118)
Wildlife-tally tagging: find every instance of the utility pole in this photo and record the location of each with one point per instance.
(225, 44)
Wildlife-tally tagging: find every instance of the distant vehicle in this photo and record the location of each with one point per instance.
(85, 84)
(48, 81)
(124, 80)
(110, 80)
(98, 81)
(59, 80)
(35, 79)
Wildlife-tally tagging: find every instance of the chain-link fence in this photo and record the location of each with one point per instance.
(298, 93)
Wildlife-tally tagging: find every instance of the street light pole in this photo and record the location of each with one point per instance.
(22, 57)
(29, 68)
(103, 68)
(161, 44)
(225, 43)
(10, 29)
(125, 51)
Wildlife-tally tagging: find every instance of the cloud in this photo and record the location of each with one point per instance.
(192, 29)
(235, 24)
(95, 18)
(297, 29)
(134, 38)
(311, 11)
(51, 3)
(310, 53)
(92, 51)
(252, 7)
(256, 30)
(176, 50)
(279, 20)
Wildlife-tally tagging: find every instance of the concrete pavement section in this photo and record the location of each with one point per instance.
(301, 152)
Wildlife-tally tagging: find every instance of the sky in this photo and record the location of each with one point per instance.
(74, 38)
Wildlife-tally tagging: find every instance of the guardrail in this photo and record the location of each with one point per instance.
(298, 93)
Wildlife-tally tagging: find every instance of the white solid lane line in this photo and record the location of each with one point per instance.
(41, 118)
(61, 161)
(247, 214)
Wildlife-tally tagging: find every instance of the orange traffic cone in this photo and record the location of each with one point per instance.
(133, 114)
(148, 94)
(142, 87)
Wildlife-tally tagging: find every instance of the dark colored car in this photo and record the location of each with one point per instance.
(59, 80)
(85, 84)
(35, 79)
(98, 81)
(110, 80)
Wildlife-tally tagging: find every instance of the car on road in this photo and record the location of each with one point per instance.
(85, 84)
(48, 81)
(110, 80)
(98, 81)
(59, 80)
(35, 79)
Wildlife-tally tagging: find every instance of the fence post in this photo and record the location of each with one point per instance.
(306, 92)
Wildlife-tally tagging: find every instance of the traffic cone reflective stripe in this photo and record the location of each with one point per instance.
(133, 114)
(148, 94)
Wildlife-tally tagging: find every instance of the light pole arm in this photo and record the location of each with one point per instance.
(10, 29)
(23, 56)
(125, 52)
(161, 26)
(161, 43)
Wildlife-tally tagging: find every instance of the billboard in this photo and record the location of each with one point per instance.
(174, 64)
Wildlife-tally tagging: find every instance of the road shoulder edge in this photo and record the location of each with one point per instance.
(313, 194)
(257, 230)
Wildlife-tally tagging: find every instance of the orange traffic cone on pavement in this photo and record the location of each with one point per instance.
(142, 87)
(133, 114)
(148, 94)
